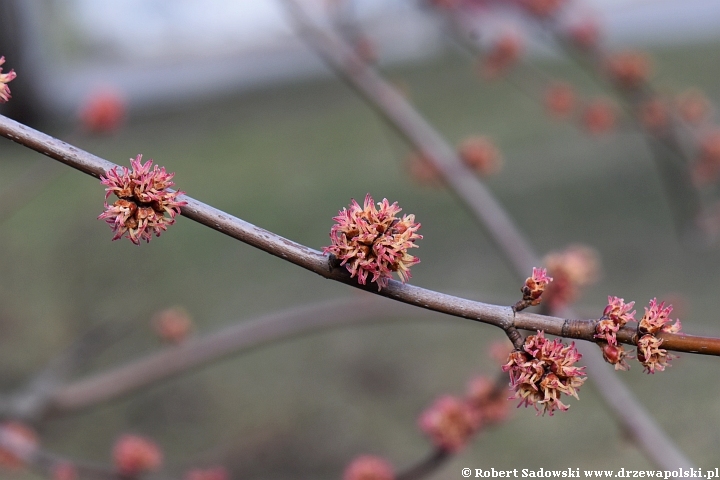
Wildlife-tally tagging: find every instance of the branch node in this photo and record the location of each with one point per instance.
(515, 337)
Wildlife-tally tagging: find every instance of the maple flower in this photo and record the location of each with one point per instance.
(172, 325)
(707, 166)
(503, 54)
(615, 355)
(64, 471)
(629, 69)
(480, 154)
(145, 205)
(483, 397)
(421, 169)
(5, 78)
(371, 240)
(693, 106)
(449, 422)
(572, 269)
(656, 319)
(542, 371)
(560, 99)
(20, 439)
(616, 314)
(542, 8)
(533, 289)
(499, 351)
(366, 49)
(133, 454)
(598, 116)
(585, 34)
(103, 112)
(369, 467)
(654, 114)
(651, 355)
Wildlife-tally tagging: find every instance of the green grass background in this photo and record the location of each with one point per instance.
(287, 160)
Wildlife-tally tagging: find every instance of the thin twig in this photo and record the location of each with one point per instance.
(46, 463)
(313, 260)
(32, 401)
(426, 466)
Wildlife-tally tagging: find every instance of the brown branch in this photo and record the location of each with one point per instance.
(32, 401)
(426, 466)
(283, 325)
(413, 127)
(235, 339)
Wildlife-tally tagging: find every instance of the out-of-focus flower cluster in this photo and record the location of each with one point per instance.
(371, 240)
(478, 152)
(629, 69)
(572, 269)
(5, 78)
(451, 421)
(133, 454)
(369, 467)
(65, 471)
(599, 116)
(501, 56)
(102, 112)
(172, 325)
(20, 439)
(145, 205)
(560, 100)
(542, 371)
(707, 164)
(543, 8)
(481, 155)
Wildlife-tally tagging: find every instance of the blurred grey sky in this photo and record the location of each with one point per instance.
(154, 51)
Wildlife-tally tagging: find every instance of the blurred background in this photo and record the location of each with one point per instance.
(225, 95)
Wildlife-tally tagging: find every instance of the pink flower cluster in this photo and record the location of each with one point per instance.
(544, 370)
(451, 422)
(371, 240)
(533, 289)
(616, 314)
(134, 455)
(145, 204)
(5, 78)
(369, 467)
(572, 269)
(543, 8)
(656, 319)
